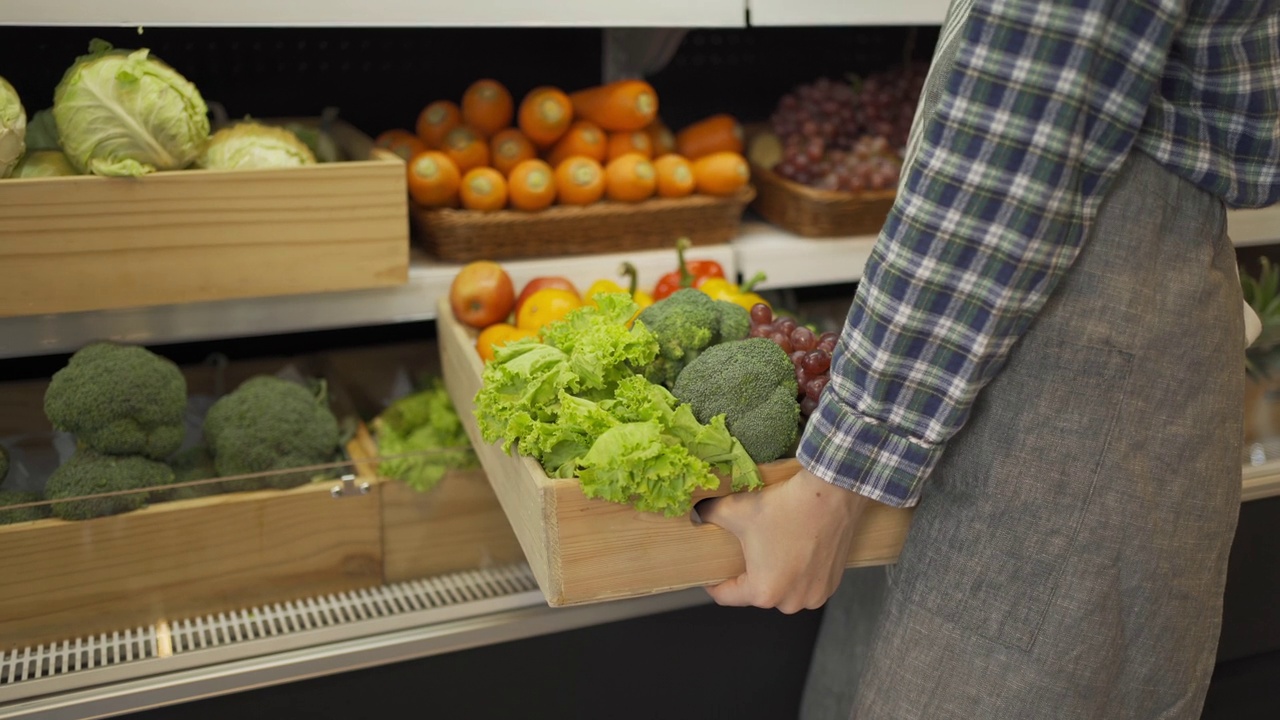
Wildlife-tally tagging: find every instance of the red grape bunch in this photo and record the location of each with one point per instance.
(887, 102)
(810, 353)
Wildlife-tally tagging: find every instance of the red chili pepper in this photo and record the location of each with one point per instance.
(688, 274)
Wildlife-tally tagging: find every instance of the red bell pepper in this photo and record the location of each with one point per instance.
(688, 274)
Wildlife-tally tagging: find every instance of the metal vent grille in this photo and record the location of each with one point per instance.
(191, 635)
(74, 655)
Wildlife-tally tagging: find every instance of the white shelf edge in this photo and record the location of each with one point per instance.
(1260, 481)
(791, 13)
(414, 301)
(385, 13)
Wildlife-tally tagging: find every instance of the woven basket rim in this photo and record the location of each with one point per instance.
(602, 208)
(769, 175)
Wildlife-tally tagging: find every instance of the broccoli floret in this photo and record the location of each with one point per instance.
(752, 383)
(88, 473)
(194, 463)
(735, 321)
(119, 400)
(269, 424)
(13, 497)
(687, 322)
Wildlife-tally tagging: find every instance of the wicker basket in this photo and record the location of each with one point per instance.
(605, 227)
(809, 212)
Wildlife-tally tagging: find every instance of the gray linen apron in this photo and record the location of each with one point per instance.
(1068, 556)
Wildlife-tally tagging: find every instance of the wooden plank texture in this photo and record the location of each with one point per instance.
(62, 579)
(91, 243)
(584, 550)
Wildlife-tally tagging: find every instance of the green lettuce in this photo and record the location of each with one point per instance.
(125, 113)
(13, 128)
(574, 402)
(420, 438)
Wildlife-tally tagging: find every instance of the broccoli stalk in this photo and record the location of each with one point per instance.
(752, 383)
(119, 400)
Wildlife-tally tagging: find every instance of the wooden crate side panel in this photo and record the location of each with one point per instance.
(171, 560)
(608, 550)
(458, 525)
(87, 243)
(522, 500)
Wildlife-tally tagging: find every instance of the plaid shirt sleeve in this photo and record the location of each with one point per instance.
(1037, 115)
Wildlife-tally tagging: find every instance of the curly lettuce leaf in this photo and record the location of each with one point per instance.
(636, 463)
(422, 438)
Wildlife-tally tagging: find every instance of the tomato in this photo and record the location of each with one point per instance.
(542, 283)
(496, 335)
(546, 306)
(481, 294)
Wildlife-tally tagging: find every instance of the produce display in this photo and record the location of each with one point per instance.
(843, 136)
(125, 113)
(420, 438)
(128, 412)
(490, 153)
(645, 398)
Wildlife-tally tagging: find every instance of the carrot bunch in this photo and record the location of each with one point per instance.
(489, 153)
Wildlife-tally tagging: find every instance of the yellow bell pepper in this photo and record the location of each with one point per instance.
(722, 289)
(641, 298)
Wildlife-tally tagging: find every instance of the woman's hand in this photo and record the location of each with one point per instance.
(795, 537)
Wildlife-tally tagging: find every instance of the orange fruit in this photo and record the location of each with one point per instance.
(487, 106)
(630, 178)
(466, 148)
(494, 336)
(483, 188)
(532, 186)
(436, 120)
(579, 181)
(625, 143)
(508, 149)
(583, 138)
(401, 142)
(546, 306)
(545, 114)
(675, 176)
(433, 179)
(721, 173)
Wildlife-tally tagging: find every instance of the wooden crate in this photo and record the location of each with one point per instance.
(92, 243)
(584, 550)
(64, 579)
(457, 525)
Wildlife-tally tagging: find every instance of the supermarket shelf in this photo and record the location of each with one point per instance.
(254, 317)
(385, 13)
(1254, 227)
(847, 12)
(1261, 481)
(788, 260)
(369, 643)
(793, 261)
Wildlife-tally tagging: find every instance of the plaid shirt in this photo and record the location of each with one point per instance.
(1038, 103)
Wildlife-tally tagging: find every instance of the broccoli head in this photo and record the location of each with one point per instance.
(753, 384)
(119, 400)
(685, 323)
(13, 497)
(194, 463)
(88, 473)
(269, 424)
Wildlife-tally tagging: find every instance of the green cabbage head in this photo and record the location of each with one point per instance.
(125, 113)
(13, 128)
(42, 131)
(253, 145)
(44, 163)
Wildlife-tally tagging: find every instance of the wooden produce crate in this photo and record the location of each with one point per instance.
(91, 243)
(810, 212)
(587, 550)
(604, 227)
